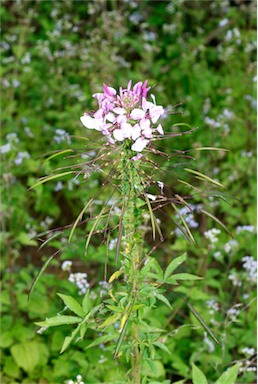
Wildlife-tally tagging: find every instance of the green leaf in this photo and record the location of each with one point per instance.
(86, 302)
(156, 268)
(101, 340)
(230, 376)
(59, 320)
(83, 330)
(111, 320)
(26, 355)
(174, 265)
(115, 275)
(72, 304)
(171, 280)
(69, 339)
(185, 276)
(198, 376)
(162, 346)
(24, 239)
(163, 299)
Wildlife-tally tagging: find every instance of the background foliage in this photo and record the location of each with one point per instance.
(198, 54)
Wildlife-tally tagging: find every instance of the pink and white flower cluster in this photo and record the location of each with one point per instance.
(126, 115)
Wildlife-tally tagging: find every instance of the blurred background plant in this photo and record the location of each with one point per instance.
(201, 55)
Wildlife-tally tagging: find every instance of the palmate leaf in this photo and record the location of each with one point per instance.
(174, 265)
(102, 339)
(185, 276)
(86, 302)
(72, 304)
(59, 320)
(162, 346)
(69, 339)
(163, 299)
(110, 320)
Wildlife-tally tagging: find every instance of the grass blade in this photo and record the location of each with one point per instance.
(210, 149)
(39, 274)
(96, 222)
(151, 217)
(218, 221)
(202, 322)
(120, 231)
(185, 224)
(78, 219)
(203, 177)
(48, 178)
(57, 154)
(50, 239)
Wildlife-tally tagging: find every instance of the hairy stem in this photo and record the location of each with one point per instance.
(131, 222)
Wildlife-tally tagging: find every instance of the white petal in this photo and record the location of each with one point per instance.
(119, 111)
(99, 124)
(127, 130)
(140, 144)
(136, 132)
(118, 135)
(155, 113)
(137, 114)
(110, 117)
(160, 129)
(88, 121)
(145, 124)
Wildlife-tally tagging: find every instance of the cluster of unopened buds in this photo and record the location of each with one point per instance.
(126, 115)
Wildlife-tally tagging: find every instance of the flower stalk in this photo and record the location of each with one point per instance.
(131, 187)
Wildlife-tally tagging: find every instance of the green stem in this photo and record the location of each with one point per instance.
(131, 222)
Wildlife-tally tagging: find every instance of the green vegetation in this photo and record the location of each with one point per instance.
(200, 56)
